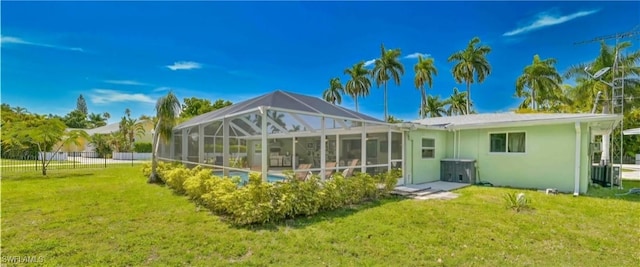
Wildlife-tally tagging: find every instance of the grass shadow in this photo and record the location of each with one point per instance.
(301, 222)
(615, 193)
(49, 176)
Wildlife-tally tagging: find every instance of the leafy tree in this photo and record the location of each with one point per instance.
(333, 94)
(392, 119)
(75, 119)
(167, 109)
(194, 106)
(471, 65)
(129, 129)
(48, 135)
(542, 81)
(424, 69)
(81, 105)
(102, 144)
(434, 107)
(387, 67)
(359, 83)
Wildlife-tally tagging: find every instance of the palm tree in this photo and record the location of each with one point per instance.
(457, 103)
(359, 84)
(424, 70)
(434, 107)
(20, 110)
(542, 80)
(387, 67)
(586, 88)
(471, 65)
(333, 94)
(167, 110)
(96, 120)
(278, 118)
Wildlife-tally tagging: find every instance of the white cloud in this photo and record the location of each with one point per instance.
(106, 96)
(545, 19)
(369, 62)
(185, 65)
(124, 82)
(16, 40)
(416, 55)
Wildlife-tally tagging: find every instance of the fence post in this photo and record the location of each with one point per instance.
(74, 160)
(105, 161)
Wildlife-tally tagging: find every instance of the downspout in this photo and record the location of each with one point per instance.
(576, 177)
(455, 156)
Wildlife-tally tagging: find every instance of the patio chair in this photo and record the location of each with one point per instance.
(328, 172)
(352, 166)
(303, 171)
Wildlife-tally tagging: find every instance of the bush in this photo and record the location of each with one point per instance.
(517, 202)
(261, 202)
(142, 147)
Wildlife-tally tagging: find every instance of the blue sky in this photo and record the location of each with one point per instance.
(126, 54)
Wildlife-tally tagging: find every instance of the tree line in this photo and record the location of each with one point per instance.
(540, 86)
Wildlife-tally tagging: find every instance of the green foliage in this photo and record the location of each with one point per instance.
(517, 202)
(142, 147)
(258, 202)
(194, 106)
(75, 119)
(102, 144)
(81, 105)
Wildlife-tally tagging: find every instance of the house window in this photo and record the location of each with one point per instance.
(514, 142)
(428, 148)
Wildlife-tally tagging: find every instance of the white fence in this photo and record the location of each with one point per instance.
(58, 156)
(130, 156)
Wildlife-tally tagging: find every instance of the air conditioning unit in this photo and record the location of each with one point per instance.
(595, 147)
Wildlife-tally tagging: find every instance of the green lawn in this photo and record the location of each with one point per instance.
(111, 217)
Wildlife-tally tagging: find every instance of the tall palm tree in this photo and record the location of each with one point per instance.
(167, 111)
(387, 67)
(424, 69)
(359, 83)
(457, 103)
(471, 65)
(434, 107)
(333, 94)
(542, 80)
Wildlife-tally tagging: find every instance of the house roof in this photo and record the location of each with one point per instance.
(107, 129)
(280, 100)
(634, 131)
(507, 119)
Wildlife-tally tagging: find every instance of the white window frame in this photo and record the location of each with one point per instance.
(427, 147)
(506, 152)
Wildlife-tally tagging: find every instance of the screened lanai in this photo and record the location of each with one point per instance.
(283, 131)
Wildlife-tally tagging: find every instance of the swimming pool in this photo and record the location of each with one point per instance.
(244, 176)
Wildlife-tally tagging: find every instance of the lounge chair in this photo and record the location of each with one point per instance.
(303, 172)
(329, 169)
(352, 166)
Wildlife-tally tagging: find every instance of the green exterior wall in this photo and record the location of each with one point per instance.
(549, 160)
(424, 170)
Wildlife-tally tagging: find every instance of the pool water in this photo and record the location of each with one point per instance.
(244, 176)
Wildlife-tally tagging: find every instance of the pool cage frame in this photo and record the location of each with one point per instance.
(281, 131)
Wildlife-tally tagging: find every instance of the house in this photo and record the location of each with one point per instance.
(281, 131)
(536, 150)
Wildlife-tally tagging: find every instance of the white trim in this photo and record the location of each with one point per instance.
(275, 124)
(534, 122)
(526, 147)
(303, 122)
(251, 124)
(576, 170)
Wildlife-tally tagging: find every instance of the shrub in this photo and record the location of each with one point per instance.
(517, 202)
(261, 202)
(142, 147)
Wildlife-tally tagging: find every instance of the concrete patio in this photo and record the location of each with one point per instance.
(431, 190)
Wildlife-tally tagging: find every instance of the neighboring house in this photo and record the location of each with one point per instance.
(506, 149)
(86, 146)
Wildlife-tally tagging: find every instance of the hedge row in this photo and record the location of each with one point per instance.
(261, 202)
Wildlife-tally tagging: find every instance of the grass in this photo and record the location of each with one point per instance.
(111, 217)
